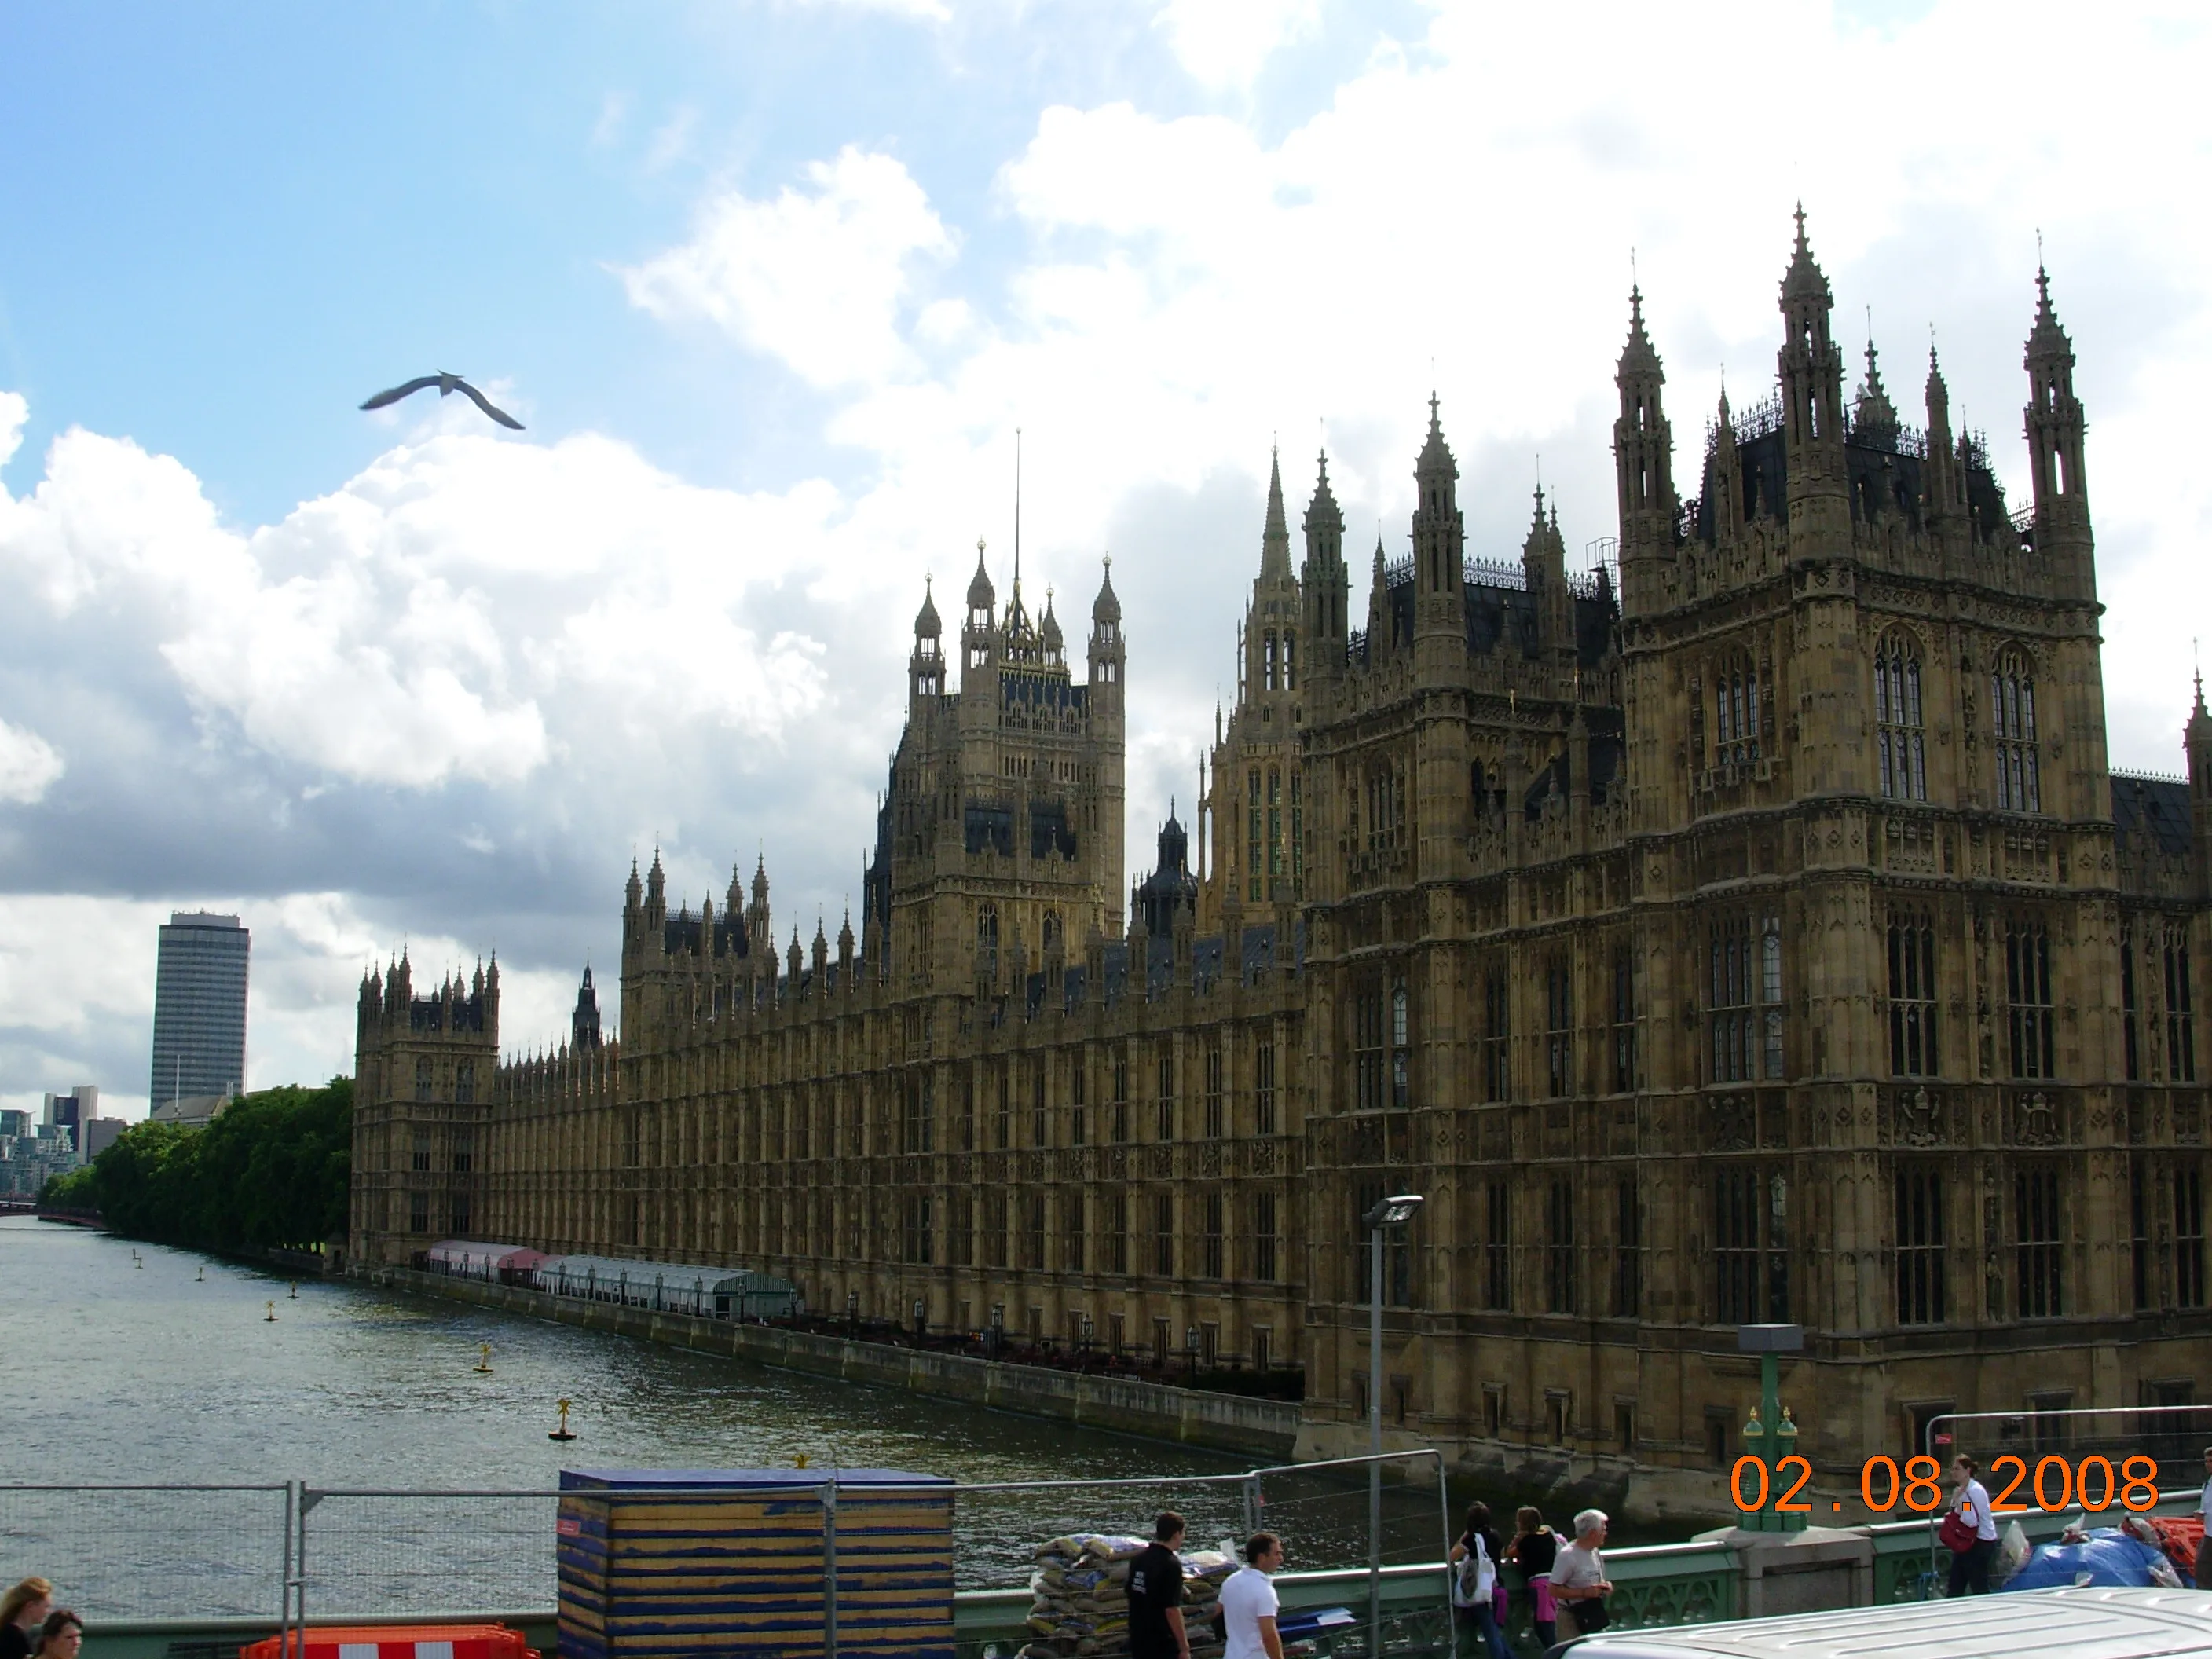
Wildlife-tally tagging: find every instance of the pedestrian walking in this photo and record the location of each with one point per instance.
(1474, 1582)
(1533, 1548)
(22, 1610)
(1970, 1505)
(2204, 1571)
(1155, 1627)
(1249, 1602)
(1578, 1580)
(60, 1635)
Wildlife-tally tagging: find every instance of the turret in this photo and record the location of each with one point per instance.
(656, 895)
(1812, 376)
(1943, 489)
(1379, 637)
(1325, 581)
(1726, 491)
(1049, 636)
(756, 913)
(926, 667)
(1544, 568)
(1439, 531)
(584, 1024)
(1644, 465)
(1106, 641)
(2055, 427)
(978, 634)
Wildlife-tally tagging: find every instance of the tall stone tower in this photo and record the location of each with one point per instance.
(423, 1090)
(1000, 841)
(1254, 805)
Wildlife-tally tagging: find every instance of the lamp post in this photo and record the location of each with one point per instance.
(1391, 1212)
(1770, 1435)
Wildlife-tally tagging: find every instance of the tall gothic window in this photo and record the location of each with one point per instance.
(2139, 1231)
(1298, 834)
(1402, 1053)
(1624, 1023)
(1254, 853)
(1264, 1238)
(987, 936)
(1558, 1029)
(1164, 1235)
(1497, 1247)
(1117, 1232)
(2180, 1011)
(1290, 662)
(1367, 1035)
(1263, 1082)
(1397, 1252)
(2027, 997)
(2035, 1239)
(1628, 1249)
(1496, 1027)
(2012, 712)
(1919, 1234)
(1274, 830)
(1073, 1219)
(1751, 1248)
(2189, 1237)
(1560, 1246)
(1911, 995)
(1211, 1238)
(1217, 1115)
(1735, 715)
(1745, 1012)
(1167, 1114)
(2130, 1037)
(1899, 746)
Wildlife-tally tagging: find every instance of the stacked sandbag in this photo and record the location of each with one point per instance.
(1079, 1589)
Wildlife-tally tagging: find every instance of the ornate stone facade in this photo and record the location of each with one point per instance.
(1748, 930)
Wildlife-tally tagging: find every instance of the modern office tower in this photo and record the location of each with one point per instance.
(199, 1008)
(72, 1111)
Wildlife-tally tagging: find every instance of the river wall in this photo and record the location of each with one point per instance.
(1257, 1428)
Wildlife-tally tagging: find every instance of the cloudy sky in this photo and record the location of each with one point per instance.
(772, 285)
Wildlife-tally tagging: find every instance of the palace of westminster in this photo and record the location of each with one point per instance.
(1757, 934)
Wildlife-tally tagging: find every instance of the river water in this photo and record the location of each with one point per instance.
(134, 1363)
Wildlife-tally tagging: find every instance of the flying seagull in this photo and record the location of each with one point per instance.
(447, 385)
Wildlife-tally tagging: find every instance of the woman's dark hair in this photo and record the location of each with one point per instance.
(1477, 1517)
(57, 1621)
(1972, 1467)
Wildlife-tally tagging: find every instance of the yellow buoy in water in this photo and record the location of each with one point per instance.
(270, 1318)
(483, 1359)
(800, 1461)
(562, 1433)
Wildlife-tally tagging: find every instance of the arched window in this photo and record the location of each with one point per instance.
(987, 930)
(1736, 714)
(2012, 713)
(1400, 1049)
(1268, 663)
(1899, 746)
(1290, 663)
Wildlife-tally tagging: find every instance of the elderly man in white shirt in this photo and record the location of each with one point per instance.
(1579, 1581)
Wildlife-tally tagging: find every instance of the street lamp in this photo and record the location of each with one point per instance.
(1770, 1434)
(1393, 1211)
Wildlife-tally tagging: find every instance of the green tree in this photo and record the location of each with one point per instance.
(272, 1171)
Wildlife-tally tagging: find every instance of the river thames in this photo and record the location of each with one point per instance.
(136, 1364)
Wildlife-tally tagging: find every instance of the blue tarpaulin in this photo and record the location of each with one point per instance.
(2110, 1556)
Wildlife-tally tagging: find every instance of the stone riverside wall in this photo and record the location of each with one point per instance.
(1257, 1428)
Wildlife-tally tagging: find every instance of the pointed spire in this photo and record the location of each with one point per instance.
(1107, 607)
(1637, 356)
(982, 596)
(1804, 279)
(2046, 340)
(1873, 417)
(1275, 539)
(926, 625)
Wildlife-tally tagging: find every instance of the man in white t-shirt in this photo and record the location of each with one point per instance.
(1249, 1604)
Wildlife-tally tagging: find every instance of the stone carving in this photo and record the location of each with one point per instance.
(1919, 1118)
(2035, 1120)
(1729, 1126)
(2189, 1120)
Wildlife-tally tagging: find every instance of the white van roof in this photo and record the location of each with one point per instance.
(2077, 1624)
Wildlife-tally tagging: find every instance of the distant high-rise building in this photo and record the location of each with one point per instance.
(72, 1111)
(199, 1007)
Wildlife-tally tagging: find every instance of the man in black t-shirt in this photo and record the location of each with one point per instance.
(1156, 1629)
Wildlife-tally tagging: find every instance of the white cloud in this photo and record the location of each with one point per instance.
(1226, 43)
(28, 765)
(820, 278)
(14, 410)
(440, 615)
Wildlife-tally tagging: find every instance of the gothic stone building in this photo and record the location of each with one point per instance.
(1750, 930)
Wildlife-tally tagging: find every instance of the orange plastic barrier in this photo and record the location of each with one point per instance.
(399, 1642)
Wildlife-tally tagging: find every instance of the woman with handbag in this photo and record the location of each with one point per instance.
(1474, 1582)
(1969, 1531)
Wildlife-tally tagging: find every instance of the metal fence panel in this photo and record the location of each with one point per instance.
(146, 1552)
